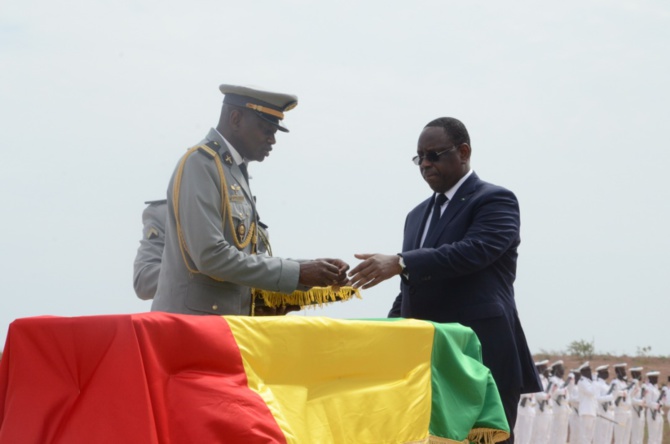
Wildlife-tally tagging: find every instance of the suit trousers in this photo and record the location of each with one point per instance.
(510, 402)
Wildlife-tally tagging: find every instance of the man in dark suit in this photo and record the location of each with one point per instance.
(458, 261)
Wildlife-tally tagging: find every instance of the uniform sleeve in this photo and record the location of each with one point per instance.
(149, 254)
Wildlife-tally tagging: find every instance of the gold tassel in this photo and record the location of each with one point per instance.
(476, 436)
(487, 436)
(314, 296)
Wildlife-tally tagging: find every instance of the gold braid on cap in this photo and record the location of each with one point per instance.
(266, 110)
(225, 210)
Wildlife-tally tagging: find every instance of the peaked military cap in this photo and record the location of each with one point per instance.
(557, 363)
(269, 106)
(654, 373)
(602, 367)
(622, 364)
(584, 366)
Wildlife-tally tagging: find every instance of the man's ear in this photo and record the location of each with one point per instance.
(235, 119)
(464, 152)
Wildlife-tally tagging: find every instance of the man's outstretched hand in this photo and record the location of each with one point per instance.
(323, 273)
(374, 269)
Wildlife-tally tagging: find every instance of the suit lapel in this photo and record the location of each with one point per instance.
(456, 204)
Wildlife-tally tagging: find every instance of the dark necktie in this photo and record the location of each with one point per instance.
(440, 199)
(243, 167)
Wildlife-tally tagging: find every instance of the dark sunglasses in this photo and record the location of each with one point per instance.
(430, 156)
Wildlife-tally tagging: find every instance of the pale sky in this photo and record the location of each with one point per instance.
(565, 103)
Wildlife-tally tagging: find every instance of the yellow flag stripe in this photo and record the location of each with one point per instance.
(329, 384)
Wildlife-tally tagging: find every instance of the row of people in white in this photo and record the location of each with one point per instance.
(584, 409)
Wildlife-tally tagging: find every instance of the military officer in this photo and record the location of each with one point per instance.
(523, 429)
(622, 405)
(560, 406)
(588, 403)
(637, 395)
(574, 432)
(543, 408)
(210, 263)
(148, 260)
(654, 400)
(149, 254)
(605, 416)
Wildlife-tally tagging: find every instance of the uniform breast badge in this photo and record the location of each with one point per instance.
(236, 196)
(241, 230)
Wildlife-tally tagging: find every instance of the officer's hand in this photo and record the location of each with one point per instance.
(374, 269)
(323, 273)
(342, 268)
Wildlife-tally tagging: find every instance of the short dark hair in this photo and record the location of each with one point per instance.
(454, 129)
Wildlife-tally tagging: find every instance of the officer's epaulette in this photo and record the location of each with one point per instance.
(156, 202)
(213, 145)
(210, 149)
(207, 151)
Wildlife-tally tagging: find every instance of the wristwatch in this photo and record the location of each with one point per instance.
(403, 268)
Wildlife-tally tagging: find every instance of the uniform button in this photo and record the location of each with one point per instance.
(215, 307)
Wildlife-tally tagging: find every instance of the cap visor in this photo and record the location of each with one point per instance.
(275, 122)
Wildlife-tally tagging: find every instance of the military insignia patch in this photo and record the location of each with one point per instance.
(152, 233)
(228, 159)
(241, 230)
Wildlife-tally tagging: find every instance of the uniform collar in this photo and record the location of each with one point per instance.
(237, 157)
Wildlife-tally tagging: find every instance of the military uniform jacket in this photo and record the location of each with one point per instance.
(622, 401)
(605, 396)
(588, 396)
(208, 266)
(560, 396)
(148, 259)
